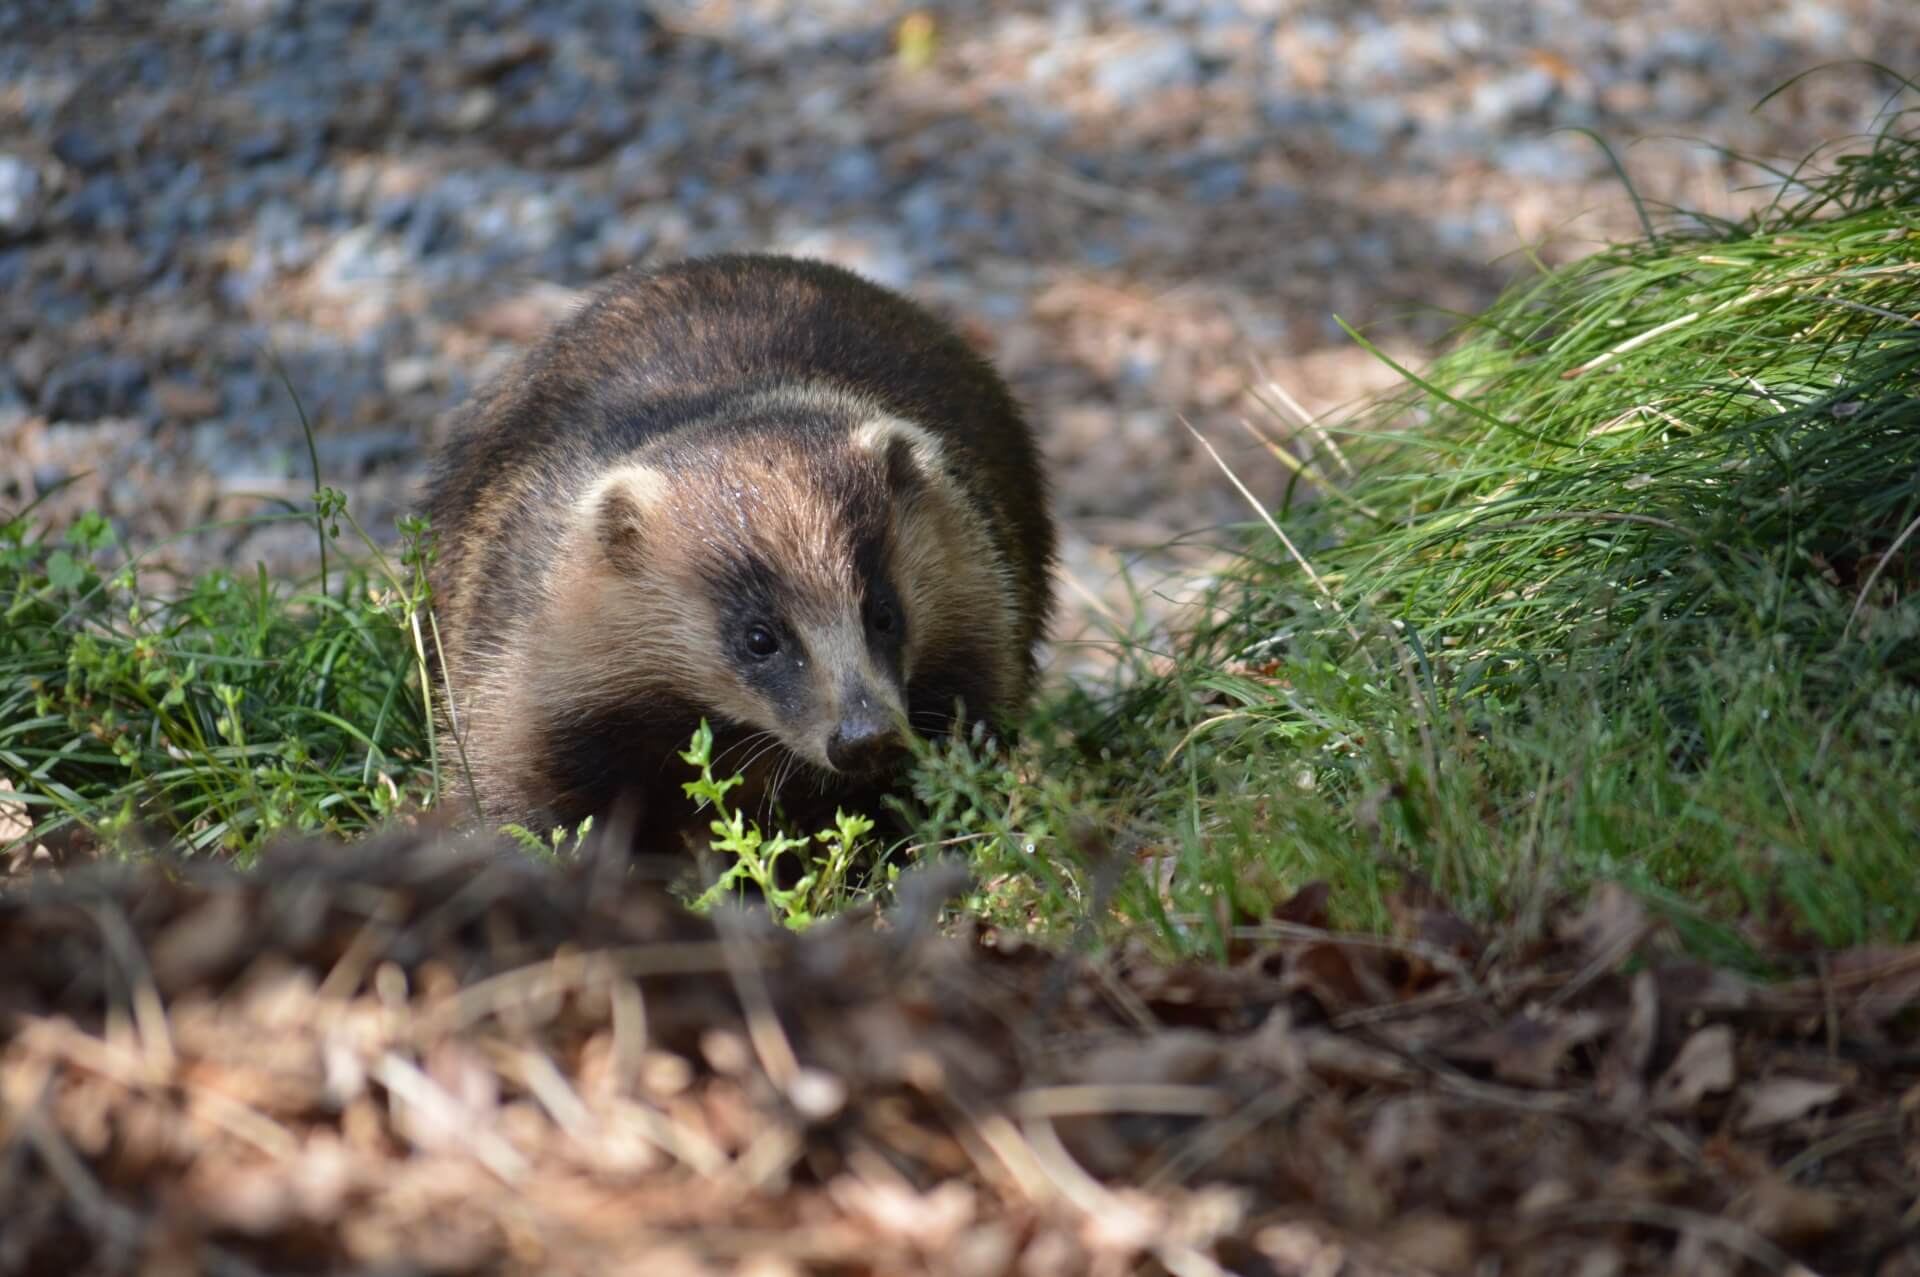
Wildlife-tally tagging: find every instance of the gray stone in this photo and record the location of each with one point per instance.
(855, 173)
(354, 454)
(1156, 63)
(22, 195)
(101, 204)
(924, 209)
(1520, 94)
(619, 243)
(410, 376)
(1376, 54)
(1688, 46)
(1214, 181)
(257, 148)
(90, 386)
(1560, 158)
(81, 148)
(13, 405)
(1682, 95)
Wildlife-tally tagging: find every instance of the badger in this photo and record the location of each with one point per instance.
(752, 490)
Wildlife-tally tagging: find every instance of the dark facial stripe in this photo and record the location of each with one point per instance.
(748, 585)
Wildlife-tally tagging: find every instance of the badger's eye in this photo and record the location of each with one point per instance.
(760, 642)
(880, 617)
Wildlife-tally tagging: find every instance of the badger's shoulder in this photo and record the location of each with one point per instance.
(653, 349)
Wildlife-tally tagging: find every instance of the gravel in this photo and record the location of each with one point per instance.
(20, 189)
(1134, 206)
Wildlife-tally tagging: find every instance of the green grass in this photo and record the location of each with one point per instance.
(1621, 587)
(212, 717)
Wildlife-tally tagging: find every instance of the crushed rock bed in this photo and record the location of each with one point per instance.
(407, 1057)
(1147, 213)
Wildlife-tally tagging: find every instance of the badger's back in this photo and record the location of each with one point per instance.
(670, 350)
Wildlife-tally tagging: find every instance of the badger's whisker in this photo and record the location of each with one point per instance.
(745, 742)
(759, 754)
(781, 776)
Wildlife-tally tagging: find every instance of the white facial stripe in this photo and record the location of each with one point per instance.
(840, 649)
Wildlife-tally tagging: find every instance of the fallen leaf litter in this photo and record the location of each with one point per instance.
(407, 1056)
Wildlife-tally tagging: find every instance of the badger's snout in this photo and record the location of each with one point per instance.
(866, 739)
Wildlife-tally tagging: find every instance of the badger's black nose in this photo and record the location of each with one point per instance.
(864, 742)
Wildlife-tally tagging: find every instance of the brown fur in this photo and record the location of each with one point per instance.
(701, 446)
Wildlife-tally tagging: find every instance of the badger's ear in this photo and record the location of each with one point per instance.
(914, 455)
(619, 507)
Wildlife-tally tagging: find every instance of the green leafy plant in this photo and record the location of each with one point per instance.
(557, 844)
(825, 876)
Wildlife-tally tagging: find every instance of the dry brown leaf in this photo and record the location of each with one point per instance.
(1544, 1198)
(202, 941)
(323, 1176)
(1301, 1248)
(462, 1095)
(1776, 1100)
(1307, 907)
(1623, 1073)
(1405, 1131)
(1792, 1215)
(1180, 1056)
(1527, 1048)
(1612, 924)
(1433, 1242)
(1702, 1254)
(1893, 994)
(1705, 1065)
(1420, 914)
(331, 1121)
(1053, 1250)
(985, 1250)
(931, 1219)
(1595, 1259)
(1687, 986)
(1342, 1059)
(1339, 977)
(1858, 967)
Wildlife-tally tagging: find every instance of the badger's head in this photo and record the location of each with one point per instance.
(792, 577)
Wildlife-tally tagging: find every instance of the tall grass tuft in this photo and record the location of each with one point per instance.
(1624, 587)
(209, 717)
